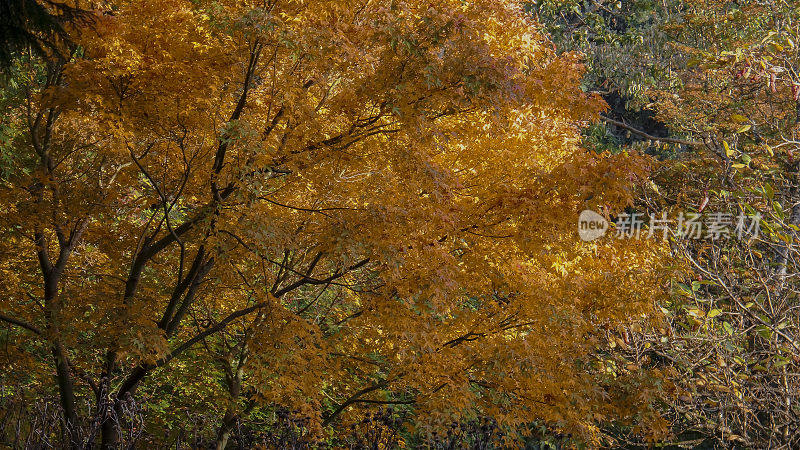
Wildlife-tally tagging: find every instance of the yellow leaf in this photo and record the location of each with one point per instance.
(728, 151)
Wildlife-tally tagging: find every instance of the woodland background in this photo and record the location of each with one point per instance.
(301, 224)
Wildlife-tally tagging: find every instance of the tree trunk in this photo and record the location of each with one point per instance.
(234, 380)
(109, 432)
(67, 396)
(66, 388)
(224, 432)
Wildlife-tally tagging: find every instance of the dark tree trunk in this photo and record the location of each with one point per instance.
(67, 397)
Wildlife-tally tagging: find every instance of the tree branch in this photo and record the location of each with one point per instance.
(650, 136)
(21, 324)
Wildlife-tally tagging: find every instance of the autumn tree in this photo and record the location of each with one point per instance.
(328, 206)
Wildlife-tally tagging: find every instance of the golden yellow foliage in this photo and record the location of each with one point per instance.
(345, 202)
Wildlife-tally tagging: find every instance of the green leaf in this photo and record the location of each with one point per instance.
(695, 312)
(728, 328)
(684, 290)
(764, 332)
(781, 361)
(769, 191)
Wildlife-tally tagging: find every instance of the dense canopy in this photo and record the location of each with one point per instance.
(350, 224)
